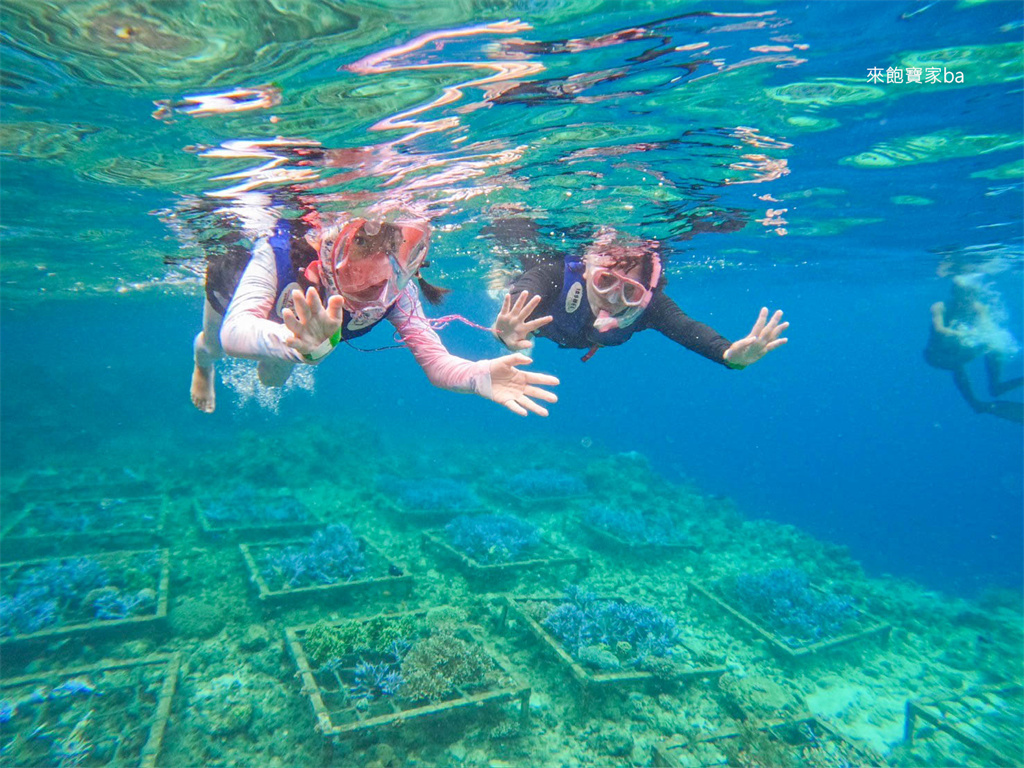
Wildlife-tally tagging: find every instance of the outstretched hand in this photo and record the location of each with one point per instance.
(515, 389)
(512, 326)
(763, 338)
(310, 322)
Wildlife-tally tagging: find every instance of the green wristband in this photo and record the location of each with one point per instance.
(325, 347)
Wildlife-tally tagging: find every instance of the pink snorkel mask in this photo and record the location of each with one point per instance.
(369, 263)
(618, 288)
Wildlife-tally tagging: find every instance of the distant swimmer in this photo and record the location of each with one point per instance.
(612, 291)
(306, 287)
(968, 326)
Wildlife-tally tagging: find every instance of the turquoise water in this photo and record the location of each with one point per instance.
(748, 139)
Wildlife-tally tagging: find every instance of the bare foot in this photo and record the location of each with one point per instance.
(203, 396)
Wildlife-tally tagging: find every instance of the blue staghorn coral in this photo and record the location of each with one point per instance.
(375, 681)
(74, 590)
(782, 600)
(436, 496)
(633, 526)
(333, 556)
(41, 598)
(491, 539)
(245, 504)
(591, 628)
(546, 483)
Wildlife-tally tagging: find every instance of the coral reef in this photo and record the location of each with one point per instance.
(374, 681)
(74, 590)
(83, 516)
(436, 665)
(433, 496)
(782, 600)
(397, 655)
(490, 539)
(546, 483)
(334, 555)
(594, 630)
(245, 504)
(325, 641)
(237, 702)
(196, 619)
(634, 526)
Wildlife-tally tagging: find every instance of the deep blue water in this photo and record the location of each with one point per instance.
(845, 433)
(854, 206)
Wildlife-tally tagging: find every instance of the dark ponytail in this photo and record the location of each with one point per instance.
(434, 294)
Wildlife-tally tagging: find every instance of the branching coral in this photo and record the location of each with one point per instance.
(333, 556)
(633, 526)
(438, 664)
(67, 590)
(374, 681)
(324, 641)
(543, 483)
(784, 602)
(492, 538)
(396, 655)
(431, 497)
(246, 504)
(630, 632)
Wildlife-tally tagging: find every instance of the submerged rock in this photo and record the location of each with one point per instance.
(222, 707)
(192, 618)
(614, 743)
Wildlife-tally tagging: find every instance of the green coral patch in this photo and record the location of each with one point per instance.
(981, 64)
(931, 148)
(1012, 170)
(826, 93)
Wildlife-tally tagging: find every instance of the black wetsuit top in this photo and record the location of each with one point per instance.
(662, 314)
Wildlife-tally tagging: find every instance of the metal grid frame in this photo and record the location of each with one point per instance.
(330, 719)
(417, 518)
(950, 716)
(250, 554)
(583, 676)
(97, 626)
(664, 755)
(875, 627)
(168, 666)
(247, 532)
(637, 548)
(17, 545)
(471, 567)
(527, 504)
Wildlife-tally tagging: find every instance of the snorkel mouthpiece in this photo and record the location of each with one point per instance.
(605, 322)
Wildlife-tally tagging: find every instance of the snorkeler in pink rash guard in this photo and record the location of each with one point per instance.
(613, 291)
(304, 290)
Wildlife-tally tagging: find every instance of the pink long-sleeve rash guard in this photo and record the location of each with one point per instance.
(248, 332)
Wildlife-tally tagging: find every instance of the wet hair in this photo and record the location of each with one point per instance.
(434, 294)
(626, 262)
(622, 258)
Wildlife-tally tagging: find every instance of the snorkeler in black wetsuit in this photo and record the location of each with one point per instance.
(662, 314)
(613, 291)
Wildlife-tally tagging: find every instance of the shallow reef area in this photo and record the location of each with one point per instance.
(239, 701)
